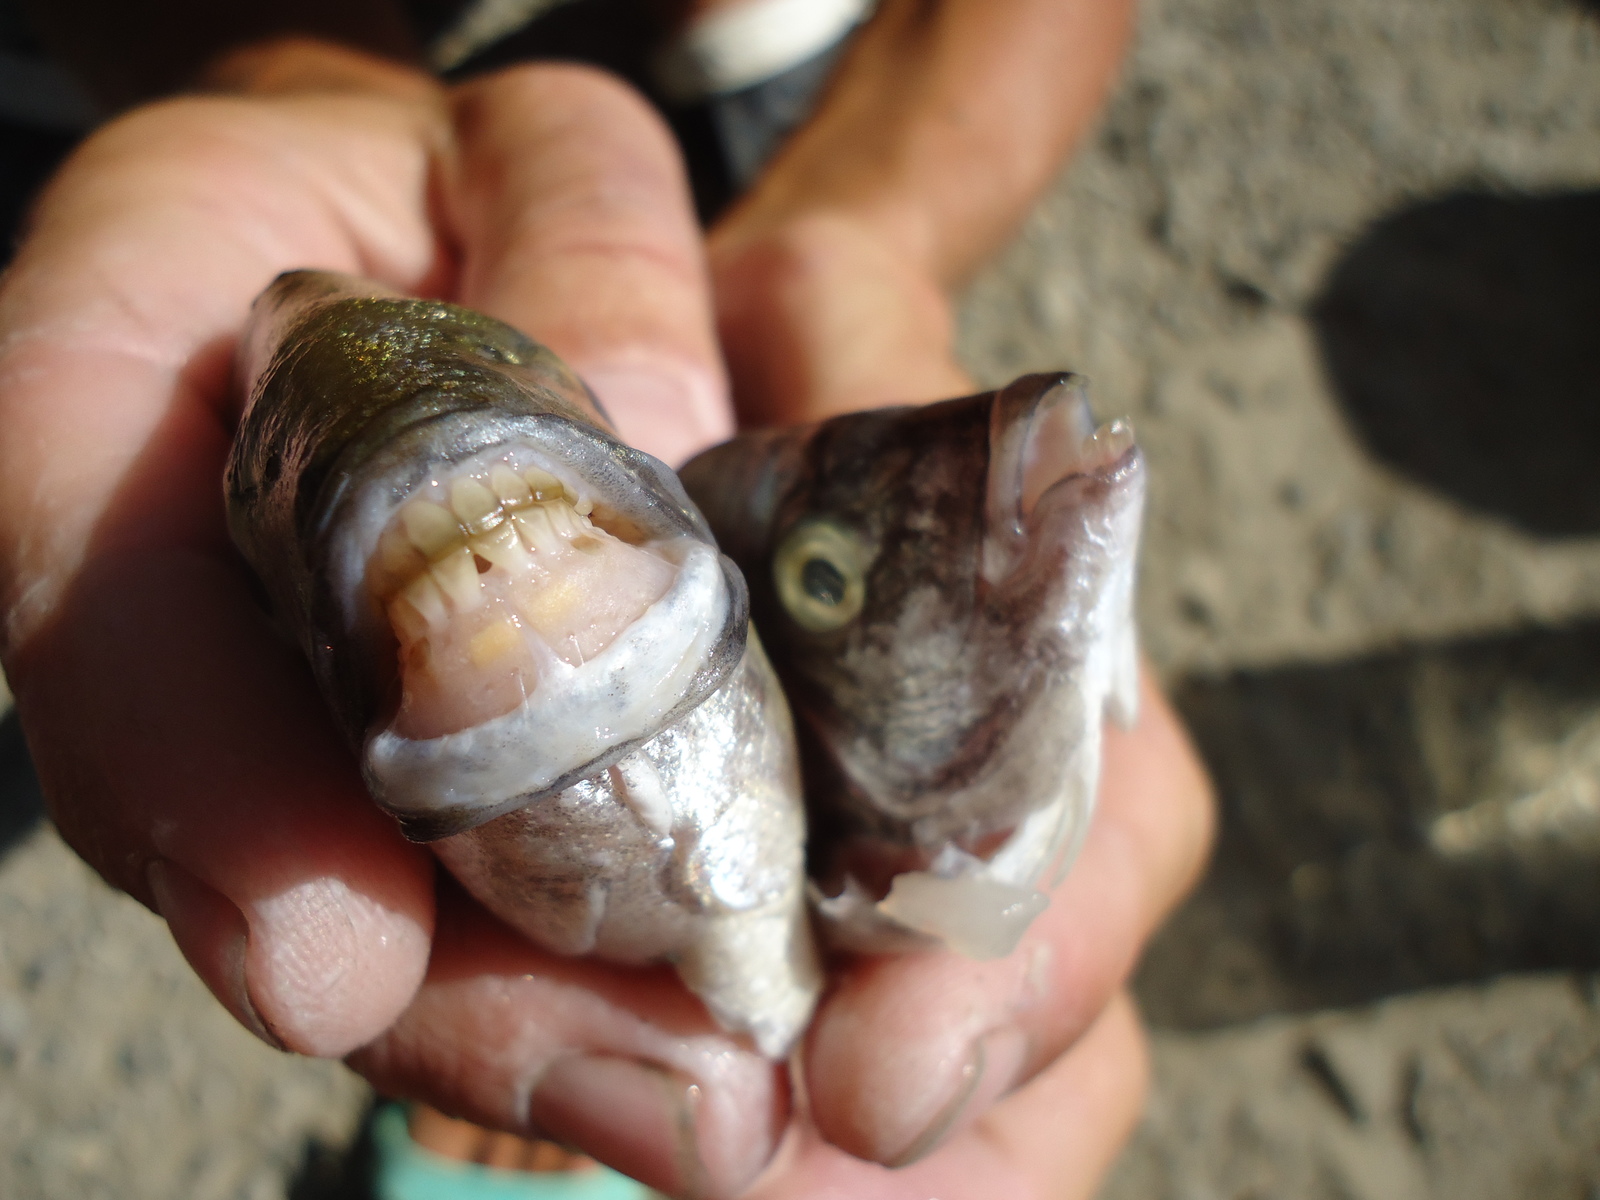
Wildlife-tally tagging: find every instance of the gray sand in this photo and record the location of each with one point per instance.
(1383, 989)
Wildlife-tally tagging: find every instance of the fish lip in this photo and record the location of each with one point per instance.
(357, 501)
(1043, 436)
(426, 822)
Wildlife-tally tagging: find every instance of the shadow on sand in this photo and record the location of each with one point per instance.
(21, 804)
(1432, 814)
(1420, 817)
(1460, 336)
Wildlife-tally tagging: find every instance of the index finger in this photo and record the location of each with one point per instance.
(578, 228)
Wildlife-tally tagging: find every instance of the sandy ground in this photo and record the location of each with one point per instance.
(1334, 260)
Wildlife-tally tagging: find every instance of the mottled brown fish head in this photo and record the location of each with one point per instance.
(945, 592)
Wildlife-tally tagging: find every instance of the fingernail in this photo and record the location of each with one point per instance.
(991, 1070)
(668, 408)
(213, 936)
(636, 1118)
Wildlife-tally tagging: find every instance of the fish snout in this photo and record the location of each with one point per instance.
(1043, 434)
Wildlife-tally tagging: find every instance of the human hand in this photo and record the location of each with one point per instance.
(832, 284)
(183, 748)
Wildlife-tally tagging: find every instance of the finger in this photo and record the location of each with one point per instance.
(820, 317)
(120, 308)
(188, 758)
(1053, 1139)
(577, 227)
(1065, 1127)
(181, 745)
(907, 1050)
(622, 1063)
(296, 65)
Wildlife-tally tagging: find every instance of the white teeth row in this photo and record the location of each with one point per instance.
(506, 522)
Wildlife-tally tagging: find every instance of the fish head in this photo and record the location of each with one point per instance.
(946, 593)
(497, 596)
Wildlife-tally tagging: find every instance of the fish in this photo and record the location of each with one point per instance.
(947, 593)
(528, 635)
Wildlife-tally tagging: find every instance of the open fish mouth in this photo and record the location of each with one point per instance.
(532, 641)
(498, 597)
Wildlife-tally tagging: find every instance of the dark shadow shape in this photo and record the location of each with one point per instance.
(27, 157)
(1325, 890)
(21, 802)
(336, 1173)
(1461, 337)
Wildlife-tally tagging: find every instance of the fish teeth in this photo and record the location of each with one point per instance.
(477, 507)
(545, 485)
(563, 520)
(437, 545)
(397, 561)
(534, 526)
(502, 547)
(1108, 443)
(423, 598)
(580, 505)
(457, 574)
(410, 624)
(512, 489)
(431, 528)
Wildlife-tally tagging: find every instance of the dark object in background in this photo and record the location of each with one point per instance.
(131, 51)
(27, 157)
(1461, 336)
(21, 802)
(43, 113)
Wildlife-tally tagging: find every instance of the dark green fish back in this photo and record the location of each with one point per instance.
(346, 374)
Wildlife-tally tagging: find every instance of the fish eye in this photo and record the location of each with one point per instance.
(820, 576)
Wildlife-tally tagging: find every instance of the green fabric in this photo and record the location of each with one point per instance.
(406, 1171)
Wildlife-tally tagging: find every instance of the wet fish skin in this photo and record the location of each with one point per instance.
(950, 730)
(682, 840)
(345, 381)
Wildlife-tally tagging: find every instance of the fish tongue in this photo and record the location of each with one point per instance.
(1042, 431)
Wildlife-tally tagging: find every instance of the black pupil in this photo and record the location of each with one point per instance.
(822, 581)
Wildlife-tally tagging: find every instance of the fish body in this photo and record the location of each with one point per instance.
(947, 595)
(527, 632)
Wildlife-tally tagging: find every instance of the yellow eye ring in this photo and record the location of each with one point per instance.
(820, 574)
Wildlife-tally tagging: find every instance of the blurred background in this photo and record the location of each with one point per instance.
(1339, 260)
